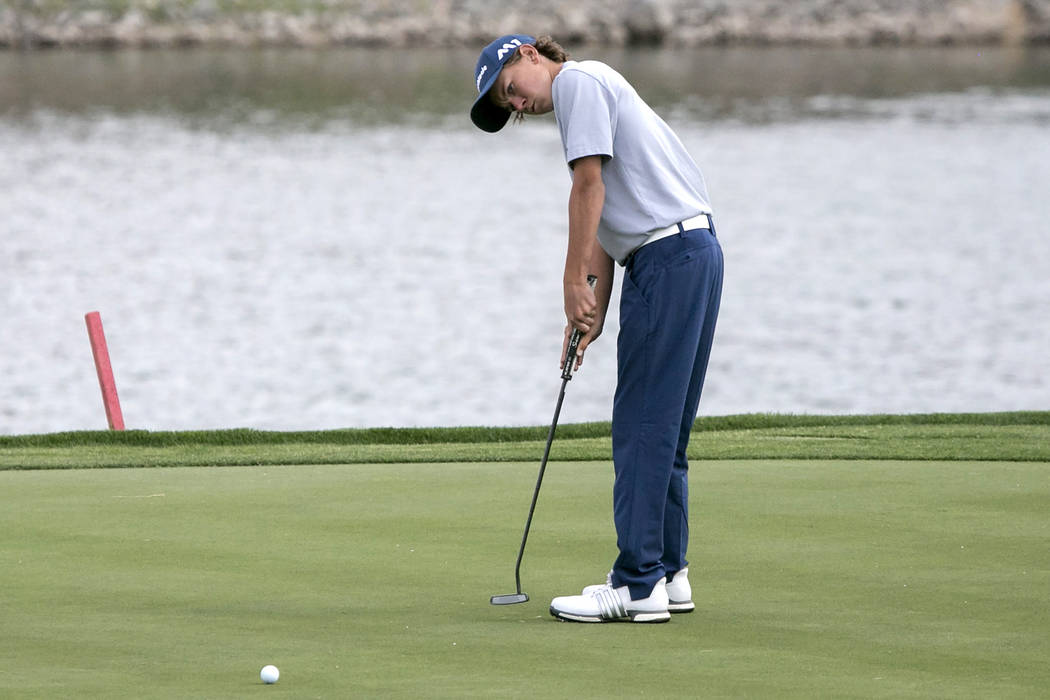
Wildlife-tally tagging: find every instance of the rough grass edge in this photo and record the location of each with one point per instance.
(479, 434)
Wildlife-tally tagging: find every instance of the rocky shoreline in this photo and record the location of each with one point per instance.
(317, 23)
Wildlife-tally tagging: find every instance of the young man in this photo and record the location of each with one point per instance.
(637, 198)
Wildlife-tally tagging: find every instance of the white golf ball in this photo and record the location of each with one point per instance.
(269, 674)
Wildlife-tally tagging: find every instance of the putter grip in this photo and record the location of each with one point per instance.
(574, 342)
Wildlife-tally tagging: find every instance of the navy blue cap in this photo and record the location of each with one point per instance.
(485, 114)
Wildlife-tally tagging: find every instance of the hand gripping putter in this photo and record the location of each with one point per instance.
(566, 375)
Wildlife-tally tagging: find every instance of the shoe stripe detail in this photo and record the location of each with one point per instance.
(609, 604)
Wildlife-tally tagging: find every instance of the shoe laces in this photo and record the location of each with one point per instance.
(608, 585)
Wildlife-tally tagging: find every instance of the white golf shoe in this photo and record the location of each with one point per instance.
(679, 592)
(608, 604)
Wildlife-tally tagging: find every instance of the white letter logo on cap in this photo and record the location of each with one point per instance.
(507, 47)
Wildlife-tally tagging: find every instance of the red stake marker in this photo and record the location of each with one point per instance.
(105, 371)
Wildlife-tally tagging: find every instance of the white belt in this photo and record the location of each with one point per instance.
(697, 222)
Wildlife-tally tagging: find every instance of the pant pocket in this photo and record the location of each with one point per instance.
(634, 308)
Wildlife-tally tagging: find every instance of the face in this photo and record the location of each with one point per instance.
(525, 85)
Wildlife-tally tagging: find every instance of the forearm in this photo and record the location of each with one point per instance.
(585, 309)
(586, 200)
(585, 209)
(603, 267)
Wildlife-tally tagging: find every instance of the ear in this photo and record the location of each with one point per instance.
(529, 51)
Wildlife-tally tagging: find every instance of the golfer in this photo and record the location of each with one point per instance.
(637, 199)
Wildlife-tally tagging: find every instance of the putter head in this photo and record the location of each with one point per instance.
(509, 599)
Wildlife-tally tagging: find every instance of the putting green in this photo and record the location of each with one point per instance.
(811, 578)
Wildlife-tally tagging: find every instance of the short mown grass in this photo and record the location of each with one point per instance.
(845, 557)
(812, 578)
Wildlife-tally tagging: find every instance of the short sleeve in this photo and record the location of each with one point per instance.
(586, 115)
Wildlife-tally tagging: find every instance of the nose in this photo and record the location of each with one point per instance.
(518, 103)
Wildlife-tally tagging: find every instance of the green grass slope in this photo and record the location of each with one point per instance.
(1018, 436)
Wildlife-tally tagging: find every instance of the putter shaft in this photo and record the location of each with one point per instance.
(539, 480)
(566, 375)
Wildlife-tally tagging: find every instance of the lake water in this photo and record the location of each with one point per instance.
(297, 239)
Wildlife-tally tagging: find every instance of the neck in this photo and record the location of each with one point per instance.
(553, 68)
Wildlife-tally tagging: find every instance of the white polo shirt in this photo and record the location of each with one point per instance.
(651, 181)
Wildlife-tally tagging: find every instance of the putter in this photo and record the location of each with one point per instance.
(566, 375)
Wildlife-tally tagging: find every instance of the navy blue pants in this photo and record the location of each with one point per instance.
(668, 307)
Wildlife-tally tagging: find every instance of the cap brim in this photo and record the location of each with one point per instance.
(487, 115)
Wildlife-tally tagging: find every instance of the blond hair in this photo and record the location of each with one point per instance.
(546, 46)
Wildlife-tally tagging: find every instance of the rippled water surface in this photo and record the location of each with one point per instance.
(292, 240)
